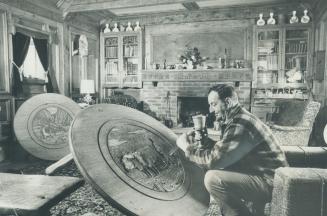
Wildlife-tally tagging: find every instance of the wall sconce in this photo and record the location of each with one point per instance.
(87, 88)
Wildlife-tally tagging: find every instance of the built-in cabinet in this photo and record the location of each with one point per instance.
(121, 60)
(282, 65)
(282, 54)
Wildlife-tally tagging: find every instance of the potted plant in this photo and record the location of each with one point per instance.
(191, 58)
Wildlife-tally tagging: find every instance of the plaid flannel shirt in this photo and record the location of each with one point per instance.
(246, 145)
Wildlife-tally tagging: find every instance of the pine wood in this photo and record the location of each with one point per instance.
(93, 155)
(47, 139)
(33, 194)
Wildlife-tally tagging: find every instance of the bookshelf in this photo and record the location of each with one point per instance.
(281, 54)
(121, 60)
(281, 63)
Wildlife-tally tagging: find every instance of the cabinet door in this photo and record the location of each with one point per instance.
(296, 55)
(268, 56)
(111, 74)
(131, 60)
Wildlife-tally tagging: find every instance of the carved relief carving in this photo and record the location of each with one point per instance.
(143, 157)
(50, 126)
(140, 156)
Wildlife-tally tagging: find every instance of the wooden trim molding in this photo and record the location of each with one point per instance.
(4, 54)
(226, 75)
(27, 15)
(35, 23)
(194, 28)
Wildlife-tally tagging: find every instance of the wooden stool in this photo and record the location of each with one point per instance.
(33, 195)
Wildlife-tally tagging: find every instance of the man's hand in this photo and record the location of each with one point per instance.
(185, 140)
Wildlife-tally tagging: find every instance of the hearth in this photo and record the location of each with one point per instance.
(190, 106)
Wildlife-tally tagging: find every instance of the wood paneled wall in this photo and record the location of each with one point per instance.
(232, 13)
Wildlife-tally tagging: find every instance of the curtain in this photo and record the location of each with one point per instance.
(41, 46)
(20, 44)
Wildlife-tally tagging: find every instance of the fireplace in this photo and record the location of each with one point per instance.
(190, 85)
(190, 106)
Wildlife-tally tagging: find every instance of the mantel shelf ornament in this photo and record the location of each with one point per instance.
(191, 58)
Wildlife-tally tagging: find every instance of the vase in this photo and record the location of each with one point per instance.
(190, 65)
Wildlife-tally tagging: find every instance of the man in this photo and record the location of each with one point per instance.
(241, 164)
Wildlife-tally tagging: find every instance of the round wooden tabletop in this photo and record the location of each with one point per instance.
(124, 154)
(41, 125)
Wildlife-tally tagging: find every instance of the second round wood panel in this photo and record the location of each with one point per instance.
(124, 154)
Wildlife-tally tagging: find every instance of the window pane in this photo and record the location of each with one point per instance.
(32, 65)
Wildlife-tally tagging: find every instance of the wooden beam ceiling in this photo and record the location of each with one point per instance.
(90, 5)
(64, 5)
(203, 15)
(153, 9)
(191, 6)
(98, 10)
(130, 7)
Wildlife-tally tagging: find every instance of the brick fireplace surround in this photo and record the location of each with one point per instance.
(156, 85)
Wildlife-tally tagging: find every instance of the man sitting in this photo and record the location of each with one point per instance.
(241, 165)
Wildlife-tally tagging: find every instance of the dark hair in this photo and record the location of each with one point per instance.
(223, 91)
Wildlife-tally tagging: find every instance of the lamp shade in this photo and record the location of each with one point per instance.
(87, 87)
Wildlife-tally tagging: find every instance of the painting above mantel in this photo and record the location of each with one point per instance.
(242, 75)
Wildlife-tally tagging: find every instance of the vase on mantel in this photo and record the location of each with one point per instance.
(190, 65)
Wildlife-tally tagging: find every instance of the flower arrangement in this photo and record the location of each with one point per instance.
(191, 58)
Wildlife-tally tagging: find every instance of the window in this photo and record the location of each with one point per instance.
(32, 67)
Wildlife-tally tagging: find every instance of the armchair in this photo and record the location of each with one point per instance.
(298, 132)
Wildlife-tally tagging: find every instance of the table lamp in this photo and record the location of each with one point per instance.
(87, 88)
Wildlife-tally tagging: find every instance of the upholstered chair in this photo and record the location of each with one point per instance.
(294, 123)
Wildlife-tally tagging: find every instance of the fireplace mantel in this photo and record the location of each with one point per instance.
(228, 75)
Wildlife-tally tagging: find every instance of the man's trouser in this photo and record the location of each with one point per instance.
(230, 190)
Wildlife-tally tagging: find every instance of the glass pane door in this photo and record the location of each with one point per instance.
(130, 54)
(268, 56)
(296, 55)
(111, 58)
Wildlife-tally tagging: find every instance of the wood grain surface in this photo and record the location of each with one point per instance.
(29, 194)
(41, 125)
(124, 154)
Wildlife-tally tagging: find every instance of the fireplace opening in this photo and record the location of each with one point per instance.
(190, 106)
